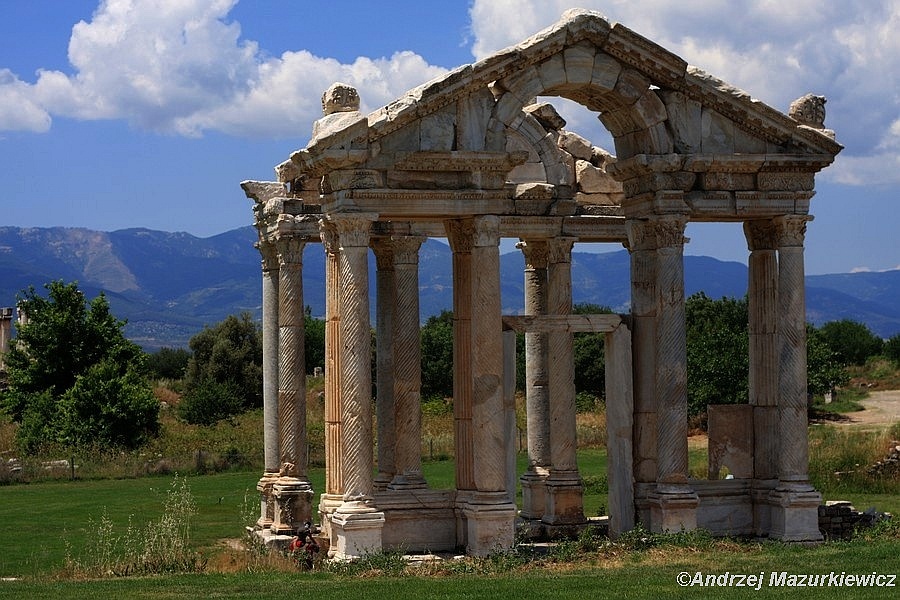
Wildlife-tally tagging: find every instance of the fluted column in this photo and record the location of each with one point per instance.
(292, 489)
(762, 305)
(270, 383)
(564, 489)
(675, 503)
(795, 502)
(491, 513)
(459, 234)
(356, 524)
(407, 365)
(334, 483)
(537, 397)
(385, 287)
(644, 260)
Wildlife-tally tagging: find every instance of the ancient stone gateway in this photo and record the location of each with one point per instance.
(471, 158)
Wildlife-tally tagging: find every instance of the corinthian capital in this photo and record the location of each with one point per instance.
(353, 228)
(760, 234)
(406, 249)
(536, 254)
(459, 234)
(560, 249)
(790, 230)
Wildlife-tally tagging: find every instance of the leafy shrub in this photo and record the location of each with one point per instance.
(168, 363)
(209, 402)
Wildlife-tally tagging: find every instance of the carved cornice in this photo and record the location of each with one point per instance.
(791, 230)
(536, 252)
(460, 233)
(462, 161)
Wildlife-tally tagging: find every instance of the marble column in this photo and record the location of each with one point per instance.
(407, 366)
(674, 503)
(537, 396)
(270, 384)
(385, 297)
(644, 260)
(292, 490)
(334, 483)
(490, 514)
(762, 311)
(459, 234)
(356, 523)
(564, 490)
(795, 502)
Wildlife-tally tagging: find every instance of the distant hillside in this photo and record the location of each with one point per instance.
(169, 285)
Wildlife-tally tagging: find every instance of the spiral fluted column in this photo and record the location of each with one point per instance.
(385, 297)
(407, 365)
(564, 489)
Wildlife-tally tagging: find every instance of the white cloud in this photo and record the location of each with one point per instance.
(18, 110)
(180, 66)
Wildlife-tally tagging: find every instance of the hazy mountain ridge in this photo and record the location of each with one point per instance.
(169, 285)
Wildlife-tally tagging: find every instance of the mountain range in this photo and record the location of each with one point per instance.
(168, 286)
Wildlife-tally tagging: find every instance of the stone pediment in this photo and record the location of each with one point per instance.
(675, 128)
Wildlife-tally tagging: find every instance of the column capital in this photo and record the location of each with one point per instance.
(761, 234)
(290, 251)
(353, 229)
(269, 255)
(790, 230)
(328, 234)
(487, 231)
(459, 234)
(560, 249)
(406, 249)
(536, 253)
(383, 248)
(669, 231)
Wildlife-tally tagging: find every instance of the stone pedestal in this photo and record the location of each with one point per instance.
(266, 500)
(795, 514)
(355, 531)
(673, 510)
(489, 522)
(565, 499)
(534, 492)
(293, 504)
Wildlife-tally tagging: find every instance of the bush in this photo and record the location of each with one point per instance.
(168, 363)
(852, 342)
(208, 402)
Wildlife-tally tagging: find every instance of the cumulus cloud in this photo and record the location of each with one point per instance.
(180, 66)
(776, 50)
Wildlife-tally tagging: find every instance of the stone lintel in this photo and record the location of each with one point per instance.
(462, 161)
(422, 204)
(601, 323)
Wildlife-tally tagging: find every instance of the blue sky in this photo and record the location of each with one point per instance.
(148, 113)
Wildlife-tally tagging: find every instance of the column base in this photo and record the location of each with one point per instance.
(293, 504)
(382, 481)
(490, 523)
(356, 529)
(266, 500)
(795, 513)
(565, 500)
(534, 493)
(408, 481)
(673, 510)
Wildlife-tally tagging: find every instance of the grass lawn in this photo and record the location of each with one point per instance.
(45, 520)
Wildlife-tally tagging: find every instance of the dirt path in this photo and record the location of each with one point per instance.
(882, 408)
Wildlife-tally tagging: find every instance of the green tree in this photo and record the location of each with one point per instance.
(437, 356)
(315, 341)
(226, 359)
(892, 348)
(852, 342)
(590, 360)
(168, 363)
(73, 376)
(717, 351)
(824, 369)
